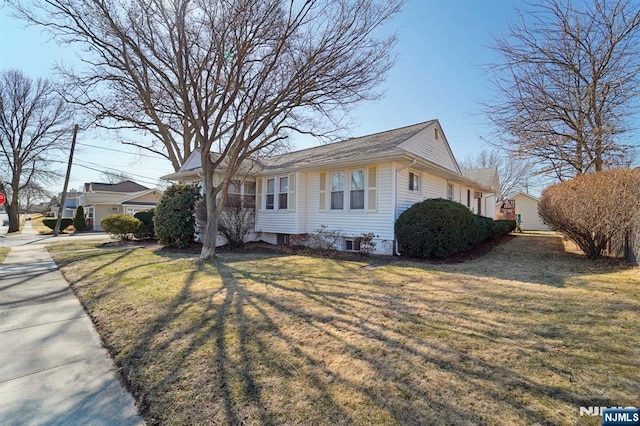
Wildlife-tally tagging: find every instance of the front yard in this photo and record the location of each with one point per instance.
(525, 334)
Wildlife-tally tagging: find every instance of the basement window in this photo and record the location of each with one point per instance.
(352, 245)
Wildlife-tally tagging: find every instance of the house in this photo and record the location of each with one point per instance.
(70, 204)
(527, 209)
(487, 177)
(105, 199)
(356, 186)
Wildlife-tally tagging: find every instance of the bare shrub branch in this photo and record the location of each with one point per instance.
(594, 208)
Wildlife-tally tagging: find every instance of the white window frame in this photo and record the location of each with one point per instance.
(271, 206)
(339, 189)
(451, 190)
(281, 205)
(415, 181)
(352, 189)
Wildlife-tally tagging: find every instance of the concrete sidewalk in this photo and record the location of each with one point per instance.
(53, 368)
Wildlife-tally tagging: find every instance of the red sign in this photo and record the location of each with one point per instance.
(2, 198)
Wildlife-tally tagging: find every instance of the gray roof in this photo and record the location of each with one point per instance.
(383, 143)
(484, 176)
(124, 186)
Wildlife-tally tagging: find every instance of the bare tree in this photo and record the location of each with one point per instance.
(115, 176)
(33, 121)
(567, 84)
(31, 193)
(514, 172)
(235, 76)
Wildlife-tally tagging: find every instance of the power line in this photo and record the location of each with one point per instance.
(122, 151)
(141, 178)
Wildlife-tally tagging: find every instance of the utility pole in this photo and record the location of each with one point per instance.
(63, 198)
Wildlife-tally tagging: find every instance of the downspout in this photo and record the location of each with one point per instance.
(395, 201)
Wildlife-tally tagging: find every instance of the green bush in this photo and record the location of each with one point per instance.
(503, 227)
(174, 220)
(64, 223)
(80, 222)
(436, 228)
(147, 229)
(485, 229)
(122, 226)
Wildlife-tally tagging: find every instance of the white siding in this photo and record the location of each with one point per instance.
(425, 145)
(280, 221)
(527, 208)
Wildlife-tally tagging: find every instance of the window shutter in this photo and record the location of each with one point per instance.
(259, 193)
(323, 191)
(372, 189)
(291, 202)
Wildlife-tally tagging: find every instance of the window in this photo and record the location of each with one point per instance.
(414, 182)
(114, 209)
(282, 239)
(271, 186)
(249, 197)
(282, 193)
(468, 198)
(234, 199)
(352, 245)
(450, 191)
(356, 199)
(337, 191)
(437, 133)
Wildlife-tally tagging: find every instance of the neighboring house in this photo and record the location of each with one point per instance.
(70, 204)
(105, 199)
(527, 208)
(357, 186)
(487, 177)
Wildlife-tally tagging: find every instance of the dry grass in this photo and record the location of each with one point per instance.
(524, 335)
(4, 251)
(36, 223)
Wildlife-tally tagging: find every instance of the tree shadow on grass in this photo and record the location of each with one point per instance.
(264, 348)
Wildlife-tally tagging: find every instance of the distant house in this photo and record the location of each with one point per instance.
(357, 186)
(527, 208)
(105, 199)
(487, 177)
(70, 204)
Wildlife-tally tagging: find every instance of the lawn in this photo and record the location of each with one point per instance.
(526, 334)
(4, 251)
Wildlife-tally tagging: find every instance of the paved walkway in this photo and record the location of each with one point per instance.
(53, 368)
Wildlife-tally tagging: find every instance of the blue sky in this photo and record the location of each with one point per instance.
(442, 47)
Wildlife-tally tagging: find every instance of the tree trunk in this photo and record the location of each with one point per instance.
(14, 215)
(211, 230)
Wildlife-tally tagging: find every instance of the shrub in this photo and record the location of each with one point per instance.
(147, 229)
(436, 228)
(503, 227)
(366, 243)
(485, 229)
(65, 222)
(593, 209)
(174, 220)
(80, 222)
(235, 222)
(121, 226)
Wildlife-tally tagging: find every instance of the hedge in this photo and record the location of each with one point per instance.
(65, 222)
(147, 229)
(122, 226)
(436, 228)
(440, 228)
